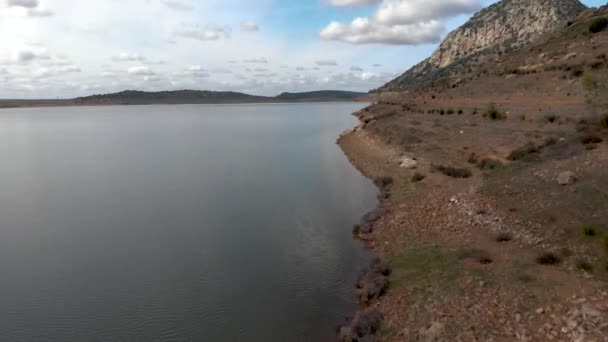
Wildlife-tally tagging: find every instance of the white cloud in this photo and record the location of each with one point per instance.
(193, 71)
(256, 61)
(141, 70)
(23, 3)
(355, 68)
(352, 3)
(326, 62)
(178, 5)
(400, 12)
(39, 12)
(128, 57)
(208, 33)
(249, 26)
(404, 22)
(27, 55)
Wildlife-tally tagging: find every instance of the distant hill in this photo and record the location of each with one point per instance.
(135, 97)
(322, 95)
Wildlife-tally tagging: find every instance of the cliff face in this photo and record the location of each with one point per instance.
(497, 29)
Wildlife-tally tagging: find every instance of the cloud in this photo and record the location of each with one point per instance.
(256, 61)
(194, 71)
(352, 3)
(326, 63)
(300, 68)
(208, 33)
(249, 26)
(129, 57)
(377, 65)
(23, 3)
(27, 55)
(177, 5)
(70, 68)
(355, 68)
(39, 12)
(141, 70)
(401, 22)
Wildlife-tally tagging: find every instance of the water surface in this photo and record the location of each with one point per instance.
(177, 223)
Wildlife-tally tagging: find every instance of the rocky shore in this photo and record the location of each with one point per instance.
(487, 229)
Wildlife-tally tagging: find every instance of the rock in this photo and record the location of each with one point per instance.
(409, 163)
(363, 326)
(566, 178)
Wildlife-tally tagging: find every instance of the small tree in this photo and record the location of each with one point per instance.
(598, 25)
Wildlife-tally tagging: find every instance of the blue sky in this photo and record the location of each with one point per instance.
(67, 48)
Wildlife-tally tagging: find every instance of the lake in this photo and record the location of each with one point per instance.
(178, 223)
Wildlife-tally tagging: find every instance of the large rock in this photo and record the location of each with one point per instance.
(566, 178)
(408, 163)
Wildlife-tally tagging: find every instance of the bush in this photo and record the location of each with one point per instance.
(591, 139)
(598, 25)
(590, 231)
(453, 172)
(548, 258)
(504, 237)
(522, 152)
(493, 113)
(584, 266)
(418, 177)
(551, 118)
(604, 121)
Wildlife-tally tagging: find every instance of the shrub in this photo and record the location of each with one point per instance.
(591, 139)
(551, 118)
(523, 117)
(489, 164)
(584, 266)
(493, 113)
(590, 231)
(604, 121)
(522, 152)
(598, 25)
(548, 258)
(504, 237)
(418, 177)
(454, 172)
(589, 83)
(450, 111)
(460, 112)
(384, 181)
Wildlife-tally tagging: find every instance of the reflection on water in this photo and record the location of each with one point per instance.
(177, 223)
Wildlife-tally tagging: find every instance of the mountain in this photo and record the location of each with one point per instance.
(494, 31)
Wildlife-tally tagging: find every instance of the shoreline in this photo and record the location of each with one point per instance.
(452, 260)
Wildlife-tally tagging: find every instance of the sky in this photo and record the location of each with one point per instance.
(70, 48)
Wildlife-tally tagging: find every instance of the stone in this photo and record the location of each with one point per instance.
(408, 163)
(566, 178)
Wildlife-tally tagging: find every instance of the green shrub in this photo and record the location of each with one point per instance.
(598, 25)
(493, 113)
(589, 83)
(590, 231)
(418, 177)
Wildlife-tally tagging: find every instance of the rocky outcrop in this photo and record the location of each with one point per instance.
(495, 30)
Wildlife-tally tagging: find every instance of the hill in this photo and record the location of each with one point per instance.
(492, 171)
(135, 97)
(494, 31)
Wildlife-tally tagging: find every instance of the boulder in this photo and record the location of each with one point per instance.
(566, 178)
(408, 163)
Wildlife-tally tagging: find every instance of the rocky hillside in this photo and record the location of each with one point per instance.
(495, 30)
